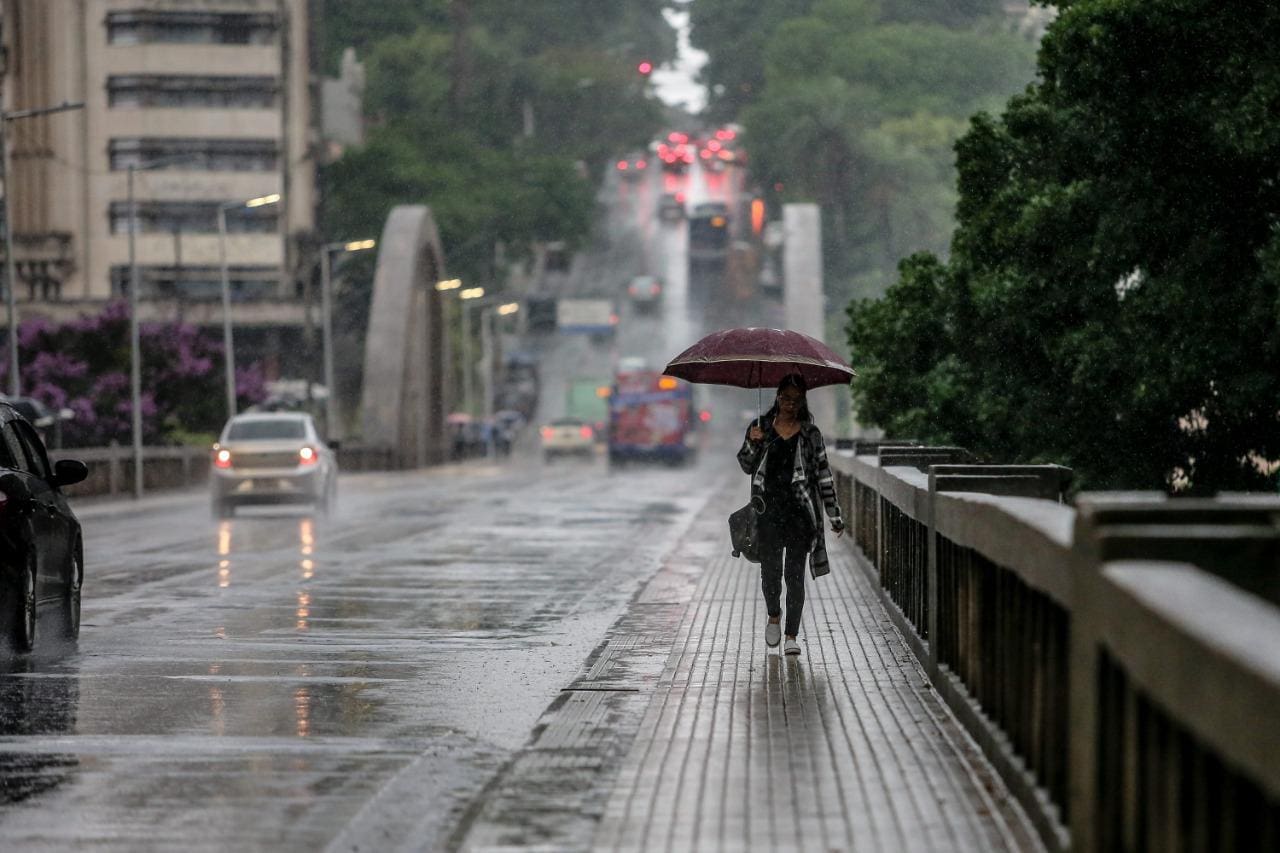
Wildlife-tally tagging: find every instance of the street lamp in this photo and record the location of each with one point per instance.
(486, 348)
(466, 295)
(11, 275)
(326, 318)
(135, 347)
(229, 354)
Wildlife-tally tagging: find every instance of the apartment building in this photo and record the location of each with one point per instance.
(209, 101)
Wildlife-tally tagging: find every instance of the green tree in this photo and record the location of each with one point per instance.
(860, 115)
(734, 34)
(1114, 274)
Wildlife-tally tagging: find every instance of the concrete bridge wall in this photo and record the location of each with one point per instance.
(1114, 658)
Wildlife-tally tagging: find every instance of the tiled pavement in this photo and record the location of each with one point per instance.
(727, 746)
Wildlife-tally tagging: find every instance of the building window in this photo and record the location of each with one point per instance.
(192, 91)
(161, 27)
(197, 155)
(198, 283)
(193, 217)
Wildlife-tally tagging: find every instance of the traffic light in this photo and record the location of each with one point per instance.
(645, 68)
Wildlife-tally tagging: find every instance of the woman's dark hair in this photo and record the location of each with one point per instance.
(792, 380)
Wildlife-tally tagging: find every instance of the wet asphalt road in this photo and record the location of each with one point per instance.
(287, 682)
(284, 681)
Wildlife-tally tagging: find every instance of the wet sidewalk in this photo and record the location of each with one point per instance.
(684, 733)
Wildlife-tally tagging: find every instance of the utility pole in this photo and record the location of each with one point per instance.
(10, 267)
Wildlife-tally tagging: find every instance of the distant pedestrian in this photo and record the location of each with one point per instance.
(787, 459)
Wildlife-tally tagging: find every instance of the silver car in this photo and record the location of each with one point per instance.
(272, 458)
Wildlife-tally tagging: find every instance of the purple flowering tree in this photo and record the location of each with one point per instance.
(83, 365)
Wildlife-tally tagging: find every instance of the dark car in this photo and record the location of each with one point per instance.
(671, 207)
(41, 549)
(47, 422)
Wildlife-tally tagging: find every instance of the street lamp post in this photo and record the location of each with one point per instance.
(326, 320)
(11, 276)
(229, 356)
(468, 369)
(487, 357)
(135, 347)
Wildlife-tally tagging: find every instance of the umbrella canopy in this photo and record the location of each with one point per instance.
(759, 358)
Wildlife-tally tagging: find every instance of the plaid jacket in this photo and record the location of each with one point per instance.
(811, 480)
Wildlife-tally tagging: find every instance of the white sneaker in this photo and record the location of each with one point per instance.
(790, 647)
(772, 634)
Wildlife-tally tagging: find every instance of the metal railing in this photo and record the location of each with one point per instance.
(1074, 644)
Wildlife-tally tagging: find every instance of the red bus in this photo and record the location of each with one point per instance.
(652, 418)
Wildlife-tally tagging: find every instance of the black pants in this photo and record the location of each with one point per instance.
(784, 530)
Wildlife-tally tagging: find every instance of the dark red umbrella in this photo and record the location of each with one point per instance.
(759, 358)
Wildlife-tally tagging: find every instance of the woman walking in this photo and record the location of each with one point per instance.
(787, 459)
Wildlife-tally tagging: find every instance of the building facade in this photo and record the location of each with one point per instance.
(210, 102)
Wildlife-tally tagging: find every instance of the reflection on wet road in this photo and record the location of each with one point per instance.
(278, 680)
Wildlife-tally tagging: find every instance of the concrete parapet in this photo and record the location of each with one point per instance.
(1113, 659)
(1049, 482)
(921, 457)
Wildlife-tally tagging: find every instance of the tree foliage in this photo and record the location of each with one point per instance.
(856, 105)
(1112, 300)
(495, 114)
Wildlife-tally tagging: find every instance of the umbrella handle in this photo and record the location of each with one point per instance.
(759, 398)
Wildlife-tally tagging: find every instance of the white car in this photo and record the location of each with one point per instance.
(272, 458)
(567, 437)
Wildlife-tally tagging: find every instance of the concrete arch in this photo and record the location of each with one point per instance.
(405, 396)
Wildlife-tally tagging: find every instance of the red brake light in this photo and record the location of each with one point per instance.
(585, 431)
(704, 416)
(640, 164)
(547, 432)
(680, 197)
(613, 319)
(222, 458)
(622, 165)
(308, 456)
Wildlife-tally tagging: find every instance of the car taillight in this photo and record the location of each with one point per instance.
(308, 456)
(547, 432)
(640, 164)
(704, 416)
(585, 431)
(622, 165)
(222, 459)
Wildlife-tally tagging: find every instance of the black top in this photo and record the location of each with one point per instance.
(779, 467)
